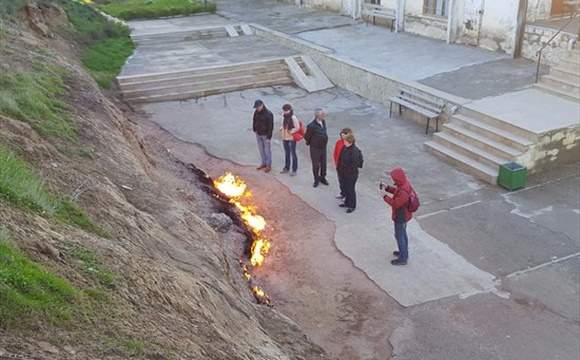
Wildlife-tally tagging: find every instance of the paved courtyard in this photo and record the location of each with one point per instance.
(485, 264)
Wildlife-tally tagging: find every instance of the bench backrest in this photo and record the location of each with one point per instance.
(423, 100)
(374, 9)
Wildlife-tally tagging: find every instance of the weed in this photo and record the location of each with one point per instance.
(93, 267)
(29, 293)
(147, 9)
(21, 187)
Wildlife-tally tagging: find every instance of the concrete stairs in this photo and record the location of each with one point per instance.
(564, 78)
(202, 33)
(307, 74)
(478, 144)
(206, 81)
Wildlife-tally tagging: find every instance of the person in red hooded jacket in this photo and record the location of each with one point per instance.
(399, 202)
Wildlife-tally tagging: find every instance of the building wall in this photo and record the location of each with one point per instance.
(536, 36)
(538, 10)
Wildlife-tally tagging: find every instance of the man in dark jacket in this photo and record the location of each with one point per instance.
(399, 203)
(317, 138)
(263, 125)
(350, 160)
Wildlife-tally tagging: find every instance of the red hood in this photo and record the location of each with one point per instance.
(399, 177)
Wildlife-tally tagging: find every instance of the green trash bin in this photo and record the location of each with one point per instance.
(512, 176)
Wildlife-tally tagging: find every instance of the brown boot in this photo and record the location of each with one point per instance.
(267, 169)
(261, 167)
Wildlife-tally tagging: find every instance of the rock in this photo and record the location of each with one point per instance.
(46, 347)
(220, 222)
(48, 250)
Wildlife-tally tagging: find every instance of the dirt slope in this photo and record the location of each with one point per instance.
(180, 290)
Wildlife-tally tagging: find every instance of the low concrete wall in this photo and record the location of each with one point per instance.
(536, 36)
(366, 82)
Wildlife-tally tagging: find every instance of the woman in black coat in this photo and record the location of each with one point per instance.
(351, 159)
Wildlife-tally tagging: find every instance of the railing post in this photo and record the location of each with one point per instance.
(538, 66)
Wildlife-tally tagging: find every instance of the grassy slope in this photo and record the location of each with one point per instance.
(20, 187)
(147, 9)
(29, 293)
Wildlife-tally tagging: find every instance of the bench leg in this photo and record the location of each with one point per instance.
(427, 128)
(392, 25)
(437, 124)
(400, 109)
(374, 20)
(390, 109)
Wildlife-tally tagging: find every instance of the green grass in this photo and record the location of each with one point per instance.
(19, 186)
(148, 9)
(29, 293)
(106, 58)
(106, 45)
(34, 97)
(93, 267)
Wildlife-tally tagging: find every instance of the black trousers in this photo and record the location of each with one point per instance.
(349, 185)
(340, 184)
(318, 157)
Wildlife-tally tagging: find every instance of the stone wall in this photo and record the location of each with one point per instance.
(556, 148)
(536, 36)
(426, 26)
(538, 10)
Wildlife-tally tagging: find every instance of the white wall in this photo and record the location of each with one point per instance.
(499, 25)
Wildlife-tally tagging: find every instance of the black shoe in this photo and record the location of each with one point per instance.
(349, 210)
(342, 205)
(396, 253)
(324, 181)
(315, 184)
(398, 262)
(284, 171)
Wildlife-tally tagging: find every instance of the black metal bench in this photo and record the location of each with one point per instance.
(419, 103)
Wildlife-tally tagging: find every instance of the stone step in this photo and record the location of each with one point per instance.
(209, 91)
(486, 130)
(483, 142)
(506, 127)
(226, 73)
(565, 73)
(464, 163)
(219, 31)
(178, 38)
(563, 84)
(125, 80)
(572, 64)
(281, 76)
(468, 150)
(558, 92)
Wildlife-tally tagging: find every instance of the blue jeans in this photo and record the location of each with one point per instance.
(264, 149)
(402, 240)
(290, 153)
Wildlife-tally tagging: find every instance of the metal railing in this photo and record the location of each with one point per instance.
(539, 52)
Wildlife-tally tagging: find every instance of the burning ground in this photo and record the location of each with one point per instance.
(155, 281)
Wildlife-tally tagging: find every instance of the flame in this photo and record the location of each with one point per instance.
(230, 185)
(260, 249)
(235, 189)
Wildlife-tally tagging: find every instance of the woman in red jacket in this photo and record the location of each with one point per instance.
(338, 146)
(399, 202)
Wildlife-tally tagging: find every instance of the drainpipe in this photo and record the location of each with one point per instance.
(451, 22)
(480, 22)
(520, 27)
(400, 21)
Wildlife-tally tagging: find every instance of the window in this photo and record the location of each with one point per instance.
(435, 7)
